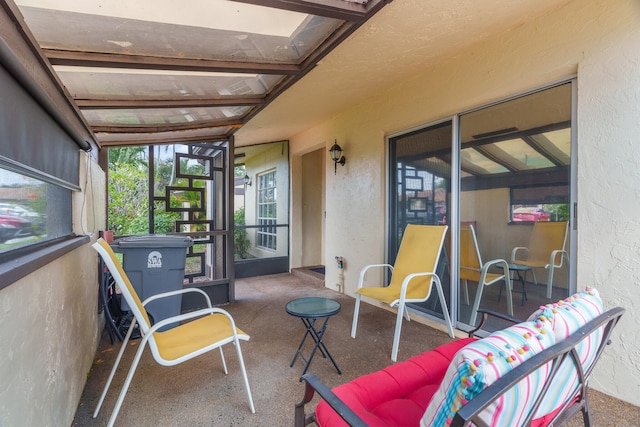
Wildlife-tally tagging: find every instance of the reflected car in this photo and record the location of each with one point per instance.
(530, 214)
(12, 227)
(16, 210)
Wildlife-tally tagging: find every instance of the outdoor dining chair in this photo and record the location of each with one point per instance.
(211, 329)
(473, 269)
(413, 277)
(546, 249)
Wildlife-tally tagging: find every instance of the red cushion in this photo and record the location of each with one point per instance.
(396, 395)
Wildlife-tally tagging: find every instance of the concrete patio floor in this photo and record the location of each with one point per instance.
(197, 393)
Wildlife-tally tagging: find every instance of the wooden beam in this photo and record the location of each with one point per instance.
(163, 140)
(118, 60)
(169, 127)
(549, 176)
(100, 104)
(336, 9)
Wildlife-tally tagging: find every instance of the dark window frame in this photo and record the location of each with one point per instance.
(25, 261)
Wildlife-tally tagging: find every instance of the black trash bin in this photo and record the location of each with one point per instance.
(155, 263)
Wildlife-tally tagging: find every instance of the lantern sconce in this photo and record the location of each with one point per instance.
(336, 156)
(247, 180)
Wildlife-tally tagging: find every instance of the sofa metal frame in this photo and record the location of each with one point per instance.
(468, 415)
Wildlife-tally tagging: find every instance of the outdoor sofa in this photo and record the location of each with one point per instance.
(533, 373)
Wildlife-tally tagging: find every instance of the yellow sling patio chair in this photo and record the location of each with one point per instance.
(412, 279)
(211, 329)
(472, 268)
(546, 249)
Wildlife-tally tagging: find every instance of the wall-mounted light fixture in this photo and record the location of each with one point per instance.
(336, 156)
(247, 180)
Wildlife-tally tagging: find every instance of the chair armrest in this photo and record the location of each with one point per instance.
(313, 384)
(505, 266)
(515, 250)
(494, 262)
(486, 314)
(364, 270)
(552, 258)
(410, 277)
(177, 292)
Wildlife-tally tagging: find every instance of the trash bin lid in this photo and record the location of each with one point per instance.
(154, 241)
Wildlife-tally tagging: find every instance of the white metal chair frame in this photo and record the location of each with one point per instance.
(482, 282)
(551, 265)
(148, 331)
(402, 301)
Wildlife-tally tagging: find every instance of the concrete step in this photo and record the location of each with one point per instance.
(309, 275)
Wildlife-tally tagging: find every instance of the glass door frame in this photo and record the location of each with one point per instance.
(454, 213)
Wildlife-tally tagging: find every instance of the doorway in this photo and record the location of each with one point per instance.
(261, 209)
(313, 209)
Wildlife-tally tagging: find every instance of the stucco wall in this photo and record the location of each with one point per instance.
(609, 186)
(599, 41)
(49, 326)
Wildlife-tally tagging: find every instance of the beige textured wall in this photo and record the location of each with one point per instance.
(599, 41)
(609, 186)
(49, 326)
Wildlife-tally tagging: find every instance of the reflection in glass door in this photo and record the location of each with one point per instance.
(515, 187)
(507, 200)
(421, 182)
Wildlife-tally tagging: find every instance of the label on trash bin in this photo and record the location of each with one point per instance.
(154, 260)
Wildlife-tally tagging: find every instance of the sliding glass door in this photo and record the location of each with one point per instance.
(501, 177)
(421, 183)
(515, 192)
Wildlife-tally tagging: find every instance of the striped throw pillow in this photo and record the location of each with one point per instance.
(482, 362)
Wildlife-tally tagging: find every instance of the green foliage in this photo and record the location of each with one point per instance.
(240, 236)
(128, 203)
(563, 212)
(135, 156)
(163, 222)
(558, 211)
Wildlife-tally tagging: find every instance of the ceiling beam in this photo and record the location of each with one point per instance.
(496, 159)
(540, 149)
(169, 127)
(101, 104)
(118, 60)
(337, 9)
(163, 140)
(549, 176)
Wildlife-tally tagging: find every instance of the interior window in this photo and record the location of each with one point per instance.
(267, 210)
(540, 203)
